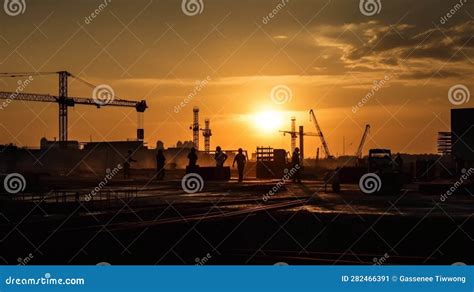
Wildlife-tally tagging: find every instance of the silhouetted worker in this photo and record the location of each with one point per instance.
(220, 157)
(192, 157)
(241, 159)
(296, 162)
(126, 165)
(160, 165)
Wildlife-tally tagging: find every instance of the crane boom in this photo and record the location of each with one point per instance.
(362, 141)
(320, 133)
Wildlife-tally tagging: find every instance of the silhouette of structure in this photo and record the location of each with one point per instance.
(444, 143)
(195, 127)
(207, 133)
(301, 149)
(362, 141)
(462, 137)
(312, 117)
(271, 163)
(64, 101)
(295, 134)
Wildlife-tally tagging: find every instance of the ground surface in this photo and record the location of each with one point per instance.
(232, 223)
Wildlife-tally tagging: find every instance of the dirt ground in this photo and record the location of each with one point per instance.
(150, 222)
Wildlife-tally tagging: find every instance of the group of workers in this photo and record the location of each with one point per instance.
(220, 158)
(240, 159)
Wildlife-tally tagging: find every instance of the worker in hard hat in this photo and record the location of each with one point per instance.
(160, 164)
(296, 163)
(220, 157)
(126, 165)
(192, 158)
(241, 159)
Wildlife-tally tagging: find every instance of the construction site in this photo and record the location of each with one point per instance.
(83, 206)
(218, 132)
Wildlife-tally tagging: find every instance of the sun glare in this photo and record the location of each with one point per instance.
(268, 121)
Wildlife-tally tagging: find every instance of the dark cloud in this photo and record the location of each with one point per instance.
(407, 43)
(431, 74)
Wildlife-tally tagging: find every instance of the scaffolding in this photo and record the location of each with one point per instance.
(444, 143)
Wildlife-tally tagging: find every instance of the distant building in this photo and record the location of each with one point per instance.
(462, 128)
(185, 144)
(47, 144)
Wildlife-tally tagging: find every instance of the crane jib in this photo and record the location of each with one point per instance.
(139, 106)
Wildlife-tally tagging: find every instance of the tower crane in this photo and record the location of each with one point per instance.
(207, 134)
(312, 117)
(362, 142)
(294, 134)
(64, 101)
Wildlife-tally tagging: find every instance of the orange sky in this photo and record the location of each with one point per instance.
(326, 52)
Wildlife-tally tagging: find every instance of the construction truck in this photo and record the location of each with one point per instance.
(379, 174)
(381, 164)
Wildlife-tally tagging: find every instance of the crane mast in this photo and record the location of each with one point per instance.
(62, 101)
(320, 133)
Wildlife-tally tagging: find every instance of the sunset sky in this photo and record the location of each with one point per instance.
(327, 53)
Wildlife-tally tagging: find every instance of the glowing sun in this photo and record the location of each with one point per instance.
(268, 121)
